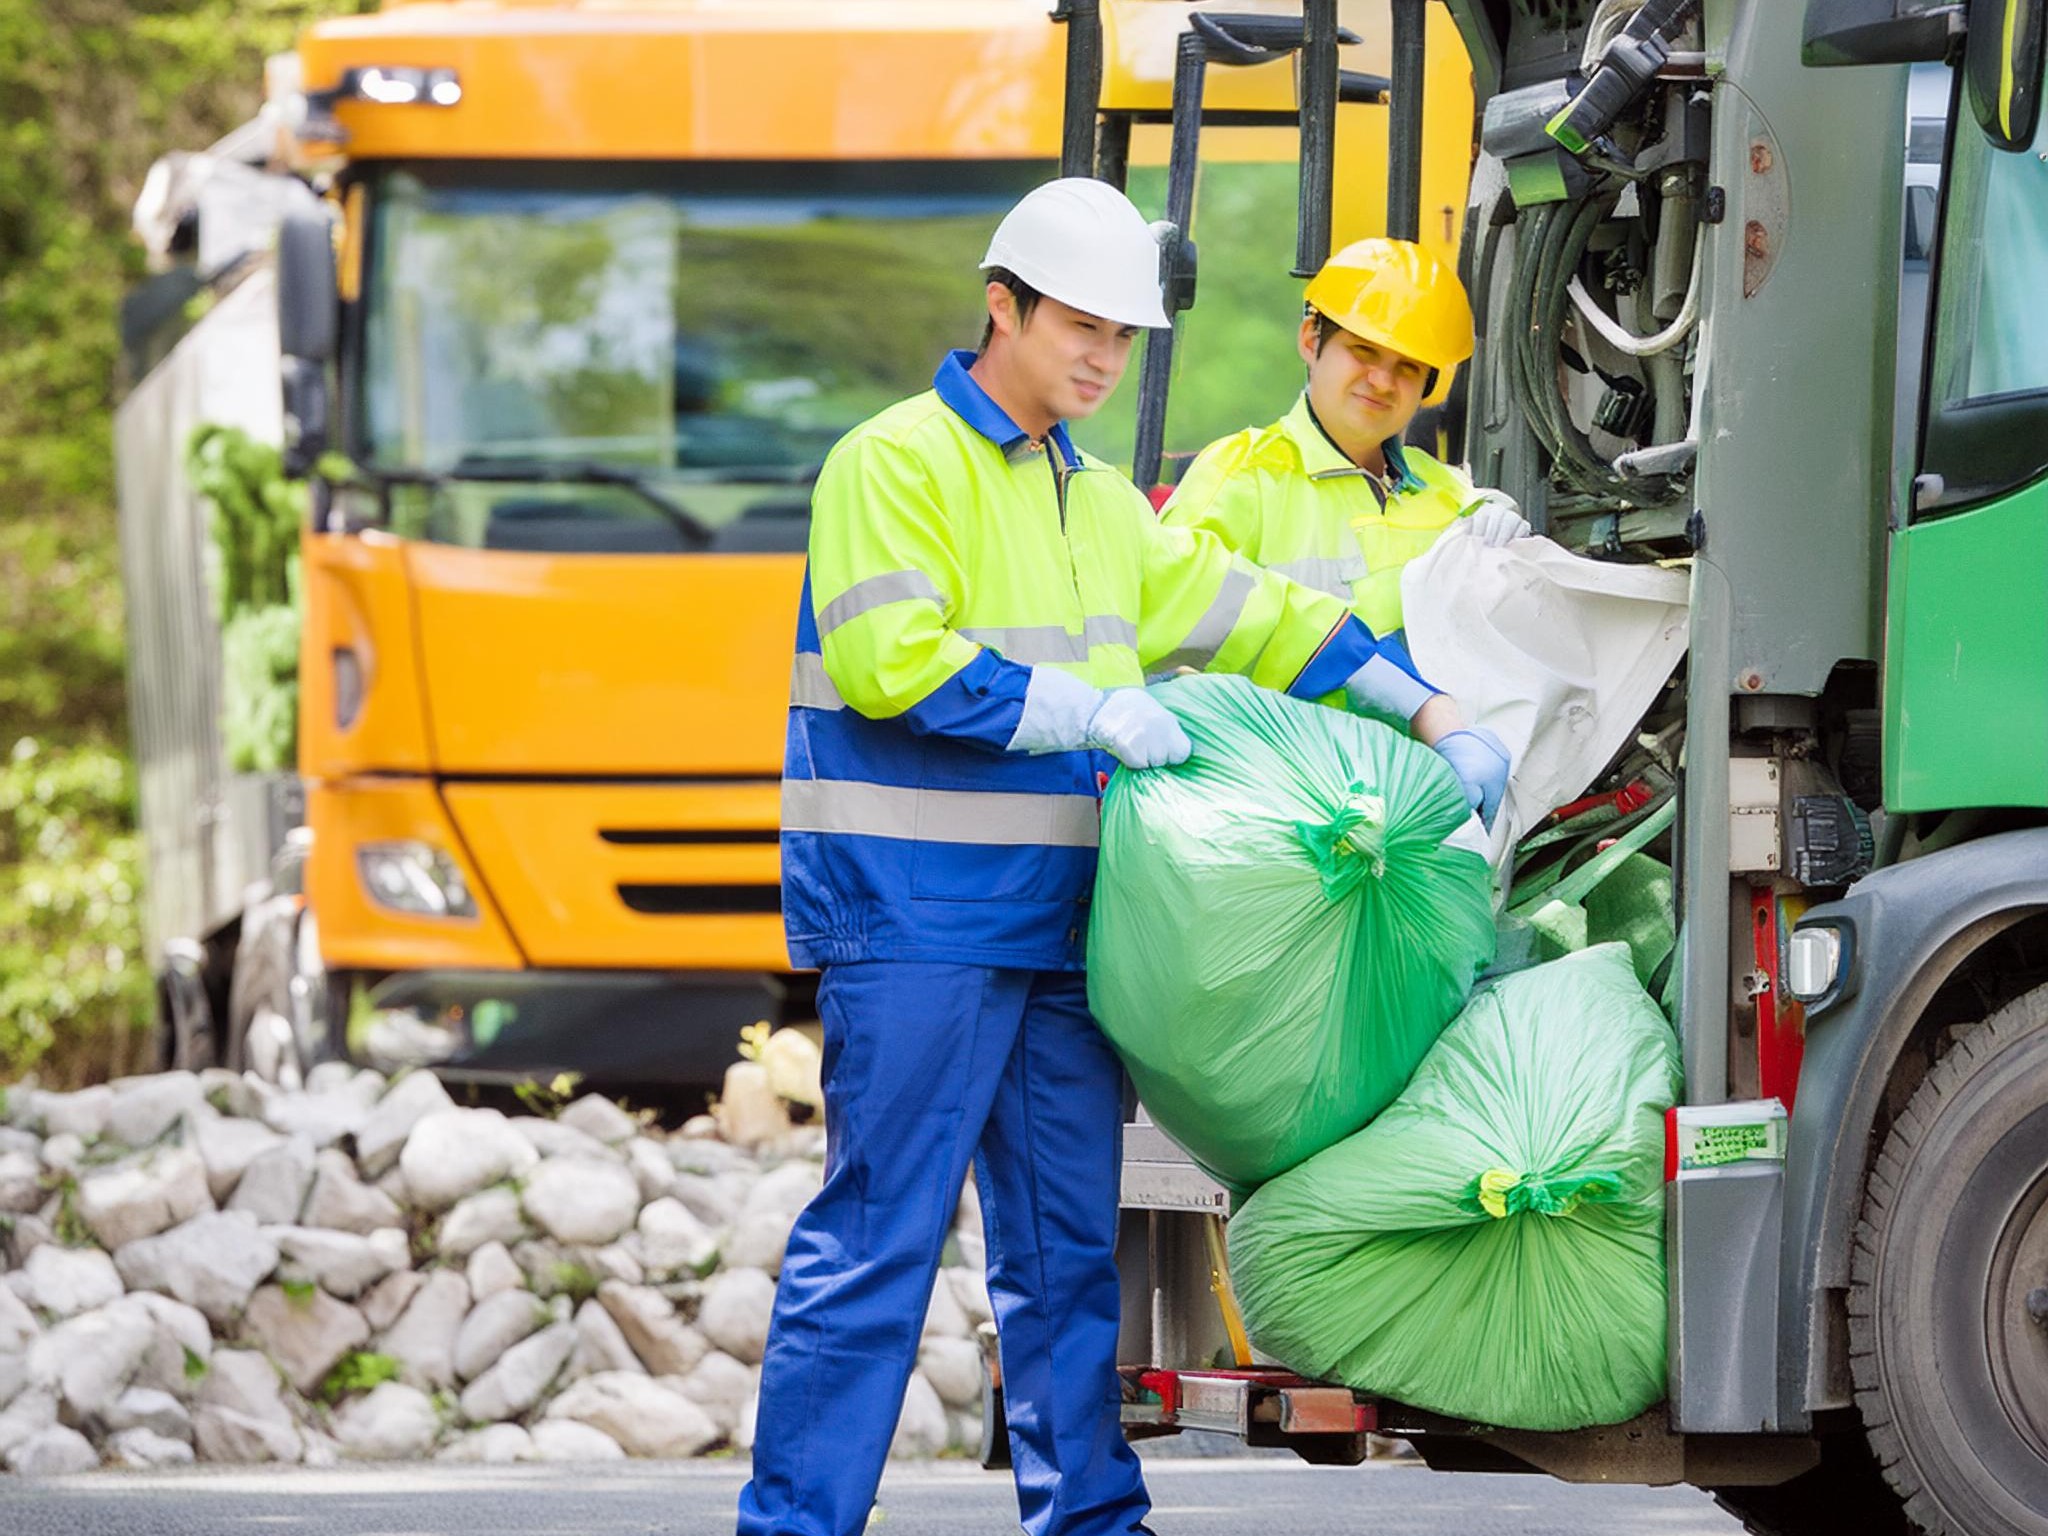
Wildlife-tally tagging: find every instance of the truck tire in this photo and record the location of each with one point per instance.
(994, 1451)
(188, 1040)
(1948, 1300)
(278, 1007)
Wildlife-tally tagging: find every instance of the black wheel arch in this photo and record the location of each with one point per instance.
(1929, 943)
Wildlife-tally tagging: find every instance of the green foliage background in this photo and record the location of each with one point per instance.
(255, 523)
(91, 91)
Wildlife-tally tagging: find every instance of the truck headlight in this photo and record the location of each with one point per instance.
(1813, 959)
(414, 877)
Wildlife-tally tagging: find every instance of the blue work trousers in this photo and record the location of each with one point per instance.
(926, 1068)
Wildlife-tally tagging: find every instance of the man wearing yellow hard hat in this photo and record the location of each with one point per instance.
(1329, 495)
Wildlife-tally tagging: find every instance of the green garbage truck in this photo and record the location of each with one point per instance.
(1746, 313)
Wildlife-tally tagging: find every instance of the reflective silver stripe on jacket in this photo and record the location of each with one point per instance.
(809, 685)
(875, 592)
(1035, 643)
(1333, 575)
(1109, 629)
(1215, 626)
(940, 815)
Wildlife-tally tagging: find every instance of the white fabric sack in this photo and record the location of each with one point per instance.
(1559, 655)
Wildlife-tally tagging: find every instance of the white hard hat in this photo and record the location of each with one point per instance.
(1084, 243)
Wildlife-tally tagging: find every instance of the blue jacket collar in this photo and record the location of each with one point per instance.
(971, 403)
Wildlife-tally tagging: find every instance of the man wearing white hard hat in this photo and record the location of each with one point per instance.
(982, 605)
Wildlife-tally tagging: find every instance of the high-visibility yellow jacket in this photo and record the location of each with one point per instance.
(947, 558)
(1287, 498)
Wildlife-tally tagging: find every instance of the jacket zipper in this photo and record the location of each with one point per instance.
(1060, 474)
(1382, 493)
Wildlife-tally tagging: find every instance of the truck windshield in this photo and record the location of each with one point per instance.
(708, 336)
(673, 350)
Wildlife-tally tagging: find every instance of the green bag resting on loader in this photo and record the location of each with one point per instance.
(1280, 928)
(1492, 1247)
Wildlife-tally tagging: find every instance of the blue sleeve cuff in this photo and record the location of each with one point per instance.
(1350, 646)
(981, 703)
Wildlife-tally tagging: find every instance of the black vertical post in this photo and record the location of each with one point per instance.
(1404, 130)
(1113, 151)
(1317, 97)
(1190, 66)
(1083, 20)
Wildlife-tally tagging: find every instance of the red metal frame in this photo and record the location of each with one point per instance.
(1780, 1020)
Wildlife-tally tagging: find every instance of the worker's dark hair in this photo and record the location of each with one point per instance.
(1027, 300)
(1326, 328)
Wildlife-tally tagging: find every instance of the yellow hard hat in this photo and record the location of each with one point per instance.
(1395, 293)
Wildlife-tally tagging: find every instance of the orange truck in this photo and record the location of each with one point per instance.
(569, 301)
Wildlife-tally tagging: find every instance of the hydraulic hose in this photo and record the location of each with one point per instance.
(1535, 363)
(1551, 242)
(1626, 341)
(1592, 473)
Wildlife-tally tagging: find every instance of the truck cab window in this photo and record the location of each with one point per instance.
(1987, 387)
(1993, 337)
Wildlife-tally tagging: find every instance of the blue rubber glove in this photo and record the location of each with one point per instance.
(1064, 714)
(1480, 760)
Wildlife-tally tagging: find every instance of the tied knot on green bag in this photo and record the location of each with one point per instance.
(1351, 846)
(1501, 1192)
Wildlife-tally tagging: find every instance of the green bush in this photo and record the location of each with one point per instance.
(257, 514)
(68, 936)
(256, 518)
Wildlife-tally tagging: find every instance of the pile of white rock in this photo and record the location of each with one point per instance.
(202, 1266)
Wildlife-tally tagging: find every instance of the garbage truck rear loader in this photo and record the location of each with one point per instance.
(1684, 243)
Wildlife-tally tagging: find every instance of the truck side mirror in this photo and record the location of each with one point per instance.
(308, 322)
(1878, 32)
(2002, 70)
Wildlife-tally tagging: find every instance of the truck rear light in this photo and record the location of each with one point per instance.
(414, 877)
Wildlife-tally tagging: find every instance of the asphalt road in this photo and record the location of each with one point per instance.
(1190, 1498)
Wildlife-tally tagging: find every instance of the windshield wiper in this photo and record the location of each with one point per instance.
(510, 471)
(753, 474)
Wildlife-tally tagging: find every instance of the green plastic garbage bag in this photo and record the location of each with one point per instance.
(1280, 929)
(1620, 893)
(1492, 1247)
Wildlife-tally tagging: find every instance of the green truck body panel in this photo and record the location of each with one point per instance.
(1966, 648)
